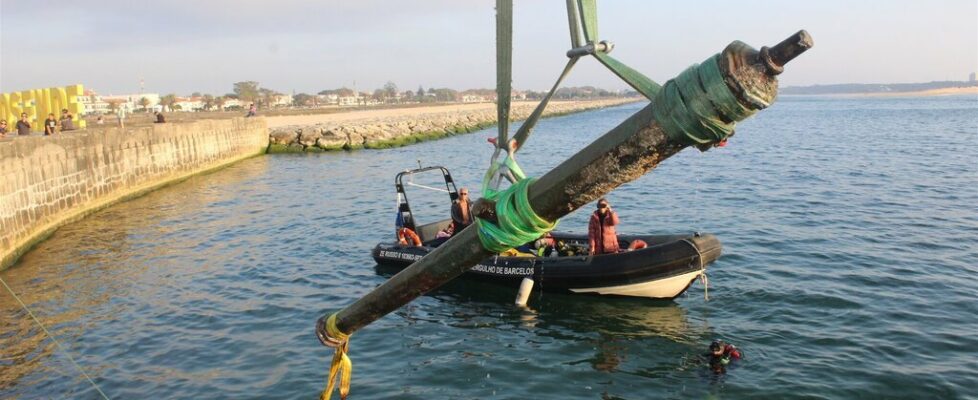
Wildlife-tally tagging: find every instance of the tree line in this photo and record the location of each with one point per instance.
(253, 92)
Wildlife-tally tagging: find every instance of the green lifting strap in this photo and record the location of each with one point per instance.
(633, 78)
(589, 19)
(531, 121)
(574, 22)
(518, 223)
(504, 67)
(488, 191)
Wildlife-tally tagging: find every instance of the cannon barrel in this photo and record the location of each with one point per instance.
(697, 108)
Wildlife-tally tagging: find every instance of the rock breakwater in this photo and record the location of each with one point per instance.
(412, 125)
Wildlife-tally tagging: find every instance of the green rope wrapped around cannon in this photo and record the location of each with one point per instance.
(518, 223)
(697, 107)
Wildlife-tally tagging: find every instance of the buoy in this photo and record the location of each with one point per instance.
(523, 295)
(637, 244)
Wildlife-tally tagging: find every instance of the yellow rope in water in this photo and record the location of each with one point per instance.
(341, 363)
(55, 339)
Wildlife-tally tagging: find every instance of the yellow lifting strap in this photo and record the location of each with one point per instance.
(341, 364)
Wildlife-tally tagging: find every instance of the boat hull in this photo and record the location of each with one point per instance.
(663, 270)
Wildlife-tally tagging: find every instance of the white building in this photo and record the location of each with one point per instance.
(188, 104)
(328, 99)
(152, 101)
(93, 103)
(132, 102)
(228, 103)
(281, 100)
(473, 98)
(347, 100)
(122, 103)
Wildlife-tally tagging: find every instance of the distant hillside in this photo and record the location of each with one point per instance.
(856, 88)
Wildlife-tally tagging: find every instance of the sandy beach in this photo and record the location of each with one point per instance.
(970, 90)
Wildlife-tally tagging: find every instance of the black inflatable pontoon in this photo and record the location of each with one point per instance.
(663, 270)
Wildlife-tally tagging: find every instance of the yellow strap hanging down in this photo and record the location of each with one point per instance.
(341, 363)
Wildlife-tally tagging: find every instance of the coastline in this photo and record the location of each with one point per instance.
(956, 91)
(386, 128)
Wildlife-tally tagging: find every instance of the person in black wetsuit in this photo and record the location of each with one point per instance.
(721, 354)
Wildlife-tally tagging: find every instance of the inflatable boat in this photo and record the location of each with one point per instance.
(663, 269)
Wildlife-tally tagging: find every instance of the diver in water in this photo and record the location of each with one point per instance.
(721, 354)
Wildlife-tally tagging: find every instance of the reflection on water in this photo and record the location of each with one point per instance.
(22, 351)
(626, 318)
(112, 258)
(62, 299)
(609, 316)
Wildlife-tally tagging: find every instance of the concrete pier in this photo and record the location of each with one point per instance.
(48, 181)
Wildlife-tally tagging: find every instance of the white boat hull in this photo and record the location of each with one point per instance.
(660, 288)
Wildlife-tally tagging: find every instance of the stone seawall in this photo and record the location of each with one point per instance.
(47, 181)
(411, 126)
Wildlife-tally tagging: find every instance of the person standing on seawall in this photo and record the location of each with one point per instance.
(121, 114)
(50, 125)
(23, 127)
(601, 230)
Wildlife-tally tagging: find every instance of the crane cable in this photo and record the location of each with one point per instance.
(517, 223)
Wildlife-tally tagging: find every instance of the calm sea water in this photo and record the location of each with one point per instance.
(851, 237)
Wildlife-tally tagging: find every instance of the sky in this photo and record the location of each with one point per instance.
(184, 46)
